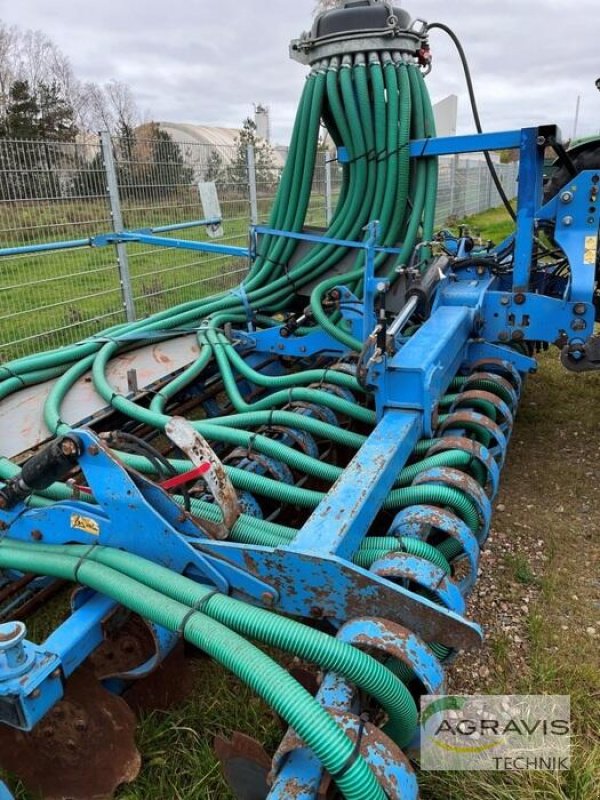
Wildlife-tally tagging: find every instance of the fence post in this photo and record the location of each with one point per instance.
(252, 185)
(116, 214)
(490, 190)
(453, 187)
(480, 198)
(328, 190)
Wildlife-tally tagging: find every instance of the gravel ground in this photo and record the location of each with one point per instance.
(545, 529)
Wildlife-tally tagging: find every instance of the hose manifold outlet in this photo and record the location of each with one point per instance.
(360, 26)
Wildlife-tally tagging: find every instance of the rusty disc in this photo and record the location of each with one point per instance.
(170, 683)
(131, 645)
(245, 766)
(82, 750)
(126, 646)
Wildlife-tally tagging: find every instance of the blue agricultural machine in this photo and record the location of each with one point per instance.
(304, 465)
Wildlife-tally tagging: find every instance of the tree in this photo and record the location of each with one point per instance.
(33, 57)
(21, 120)
(215, 171)
(36, 119)
(8, 44)
(56, 120)
(169, 172)
(30, 55)
(266, 172)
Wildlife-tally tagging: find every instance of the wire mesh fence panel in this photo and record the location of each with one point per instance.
(446, 190)
(269, 171)
(471, 171)
(317, 206)
(52, 192)
(336, 176)
(466, 187)
(158, 185)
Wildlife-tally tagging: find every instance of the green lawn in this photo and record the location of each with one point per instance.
(52, 299)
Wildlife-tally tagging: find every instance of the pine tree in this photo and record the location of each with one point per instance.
(214, 171)
(37, 119)
(266, 172)
(22, 114)
(237, 170)
(168, 167)
(129, 174)
(19, 162)
(56, 115)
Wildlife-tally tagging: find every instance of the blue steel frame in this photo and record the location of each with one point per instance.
(143, 236)
(474, 316)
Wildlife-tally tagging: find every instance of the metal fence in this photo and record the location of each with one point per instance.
(466, 187)
(52, 192)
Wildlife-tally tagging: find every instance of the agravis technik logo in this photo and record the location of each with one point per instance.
(495, 732)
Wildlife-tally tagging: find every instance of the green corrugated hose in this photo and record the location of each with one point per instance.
(270, 681)
(263, 626)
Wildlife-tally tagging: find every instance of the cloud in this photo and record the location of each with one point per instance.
(208, 62)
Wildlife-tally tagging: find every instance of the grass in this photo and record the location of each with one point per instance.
(550, 485)
(521, 569)
(494, 224)
(56, 298)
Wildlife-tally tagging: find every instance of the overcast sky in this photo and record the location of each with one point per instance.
(202, 61)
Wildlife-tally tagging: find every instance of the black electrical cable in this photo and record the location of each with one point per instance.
(440, 26)
(130, 443)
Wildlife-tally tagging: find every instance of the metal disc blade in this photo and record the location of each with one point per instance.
(245, 765)
(83, 749)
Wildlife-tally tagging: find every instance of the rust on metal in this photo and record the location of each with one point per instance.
(510, 373)
(475, 395)
(32, 602)
(454, 478)
(13, 588)
(197, 449)
(474, 448)
(245, 765)
(460, 419)
(492, 377)
(373, 742)
(398, 566)
(124, 649)
(10, 635)
(84, 749)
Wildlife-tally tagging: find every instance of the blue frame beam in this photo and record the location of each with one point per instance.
(475, 143)
(177, 244)
(48, 247)
(104, 239)
(340, 522)
(317, 239)
(531, 173)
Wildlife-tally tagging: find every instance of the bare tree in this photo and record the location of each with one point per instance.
(8, 60)
(33, 57)
(94, 109)
(121, 101)
(110, 107)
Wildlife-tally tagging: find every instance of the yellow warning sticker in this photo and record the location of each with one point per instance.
(86, 524)
(591, 250)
